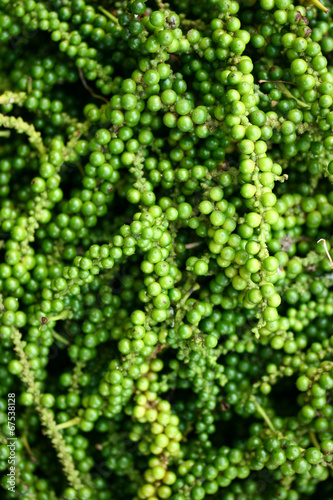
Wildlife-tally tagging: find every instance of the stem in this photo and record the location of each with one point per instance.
(9, 97)
(60, 338)
(314, 439)
(192, 289)
(3, 439)
(26, 444)
(161, 5)
(29, 85)
(62, 315)
(86, 86)
(192, 23)
(264, 415)
(159, 348)
(287, 93)
(327, 252)
(46, 416)
(195, 244)
(276, 81)
(82, 128)
(109, 15)
(23, 127)
(320, 6)
(77, 372)
(69, 423)
(5, 133)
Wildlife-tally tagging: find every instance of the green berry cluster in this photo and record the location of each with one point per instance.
(165, 234)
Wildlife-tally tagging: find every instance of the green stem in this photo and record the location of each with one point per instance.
(25, 443)
(77, 372)
(193, 288)
(69, 423)
(109, 15)
(27, 376)
(287, 93)
(314, 439)
(161, 5)
(60, 338)
(182, 302)
(23, 127)
(29, 85)
(3, 439)
(82, 128)
(264, 415)
(62, 315)
(9, 97)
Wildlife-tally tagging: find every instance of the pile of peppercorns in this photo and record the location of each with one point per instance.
(166, 217)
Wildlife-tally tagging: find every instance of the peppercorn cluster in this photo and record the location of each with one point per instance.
(166, 213)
